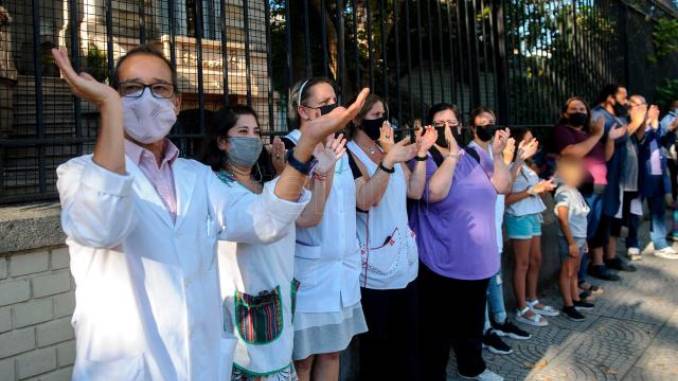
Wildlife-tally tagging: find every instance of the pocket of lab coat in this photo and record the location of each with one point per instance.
(384, 259)
(259, 318)
(306, 263)
(412, 251)
(129, 368)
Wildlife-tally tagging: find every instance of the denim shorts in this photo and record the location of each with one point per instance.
(523, 227)
(564, 247)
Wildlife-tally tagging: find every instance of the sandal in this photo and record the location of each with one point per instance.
(542, 309)
(534, 319)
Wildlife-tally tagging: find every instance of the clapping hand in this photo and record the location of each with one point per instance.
(426, 140)
(500, 140)
(83, 85)
(616, 132)
(527, 149)
(329, 153)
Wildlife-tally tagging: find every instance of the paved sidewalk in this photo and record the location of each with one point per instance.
(631, 335)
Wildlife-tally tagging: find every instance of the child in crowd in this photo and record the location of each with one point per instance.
(571, 211)
(523, 226)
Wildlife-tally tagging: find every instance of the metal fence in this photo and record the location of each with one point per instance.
(521, 57)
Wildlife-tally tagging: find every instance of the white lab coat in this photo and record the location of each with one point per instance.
(147, 292)
(327, 256)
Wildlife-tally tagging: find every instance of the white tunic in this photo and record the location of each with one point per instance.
(388, 250)
(147, 290)
(258, 292)
(327, 256)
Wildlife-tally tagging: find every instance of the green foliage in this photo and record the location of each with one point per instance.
(97, 66)
(667, 93)
(665, 38)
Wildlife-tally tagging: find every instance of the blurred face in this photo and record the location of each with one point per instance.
(321, 94)
(445, 118)
(484, 121)
(246, 126)
(376, 111)
(144, 69)
(576, 106)
(621, 97)
(571, 172)
(637, 104)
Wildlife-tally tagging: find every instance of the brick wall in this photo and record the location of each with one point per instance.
(36, 304)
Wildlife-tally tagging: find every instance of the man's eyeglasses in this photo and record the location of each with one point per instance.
(136, 89)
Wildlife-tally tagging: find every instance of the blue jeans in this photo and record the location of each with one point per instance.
(595, 203)
(658, 214)
(495, 301)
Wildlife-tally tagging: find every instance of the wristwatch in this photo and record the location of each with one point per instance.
(303, 168)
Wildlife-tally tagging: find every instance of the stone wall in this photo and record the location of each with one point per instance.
(37, 294)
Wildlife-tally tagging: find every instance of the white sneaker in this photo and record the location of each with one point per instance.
(634, 254)
(487, 375)
(666, 253)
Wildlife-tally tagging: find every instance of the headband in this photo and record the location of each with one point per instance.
(301, 91)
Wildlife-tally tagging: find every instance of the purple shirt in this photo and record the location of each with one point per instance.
(456, 236)
(594, 162)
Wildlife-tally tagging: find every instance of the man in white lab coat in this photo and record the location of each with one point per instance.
(142, 226)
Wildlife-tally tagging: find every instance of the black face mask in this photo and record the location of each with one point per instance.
(372, 127)
(327, 108)
(577, 119)
(485, 133)
(619, 109)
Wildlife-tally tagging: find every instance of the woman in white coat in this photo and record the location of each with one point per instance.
(389, 256)
(327, 264)
(257, 280)
(142, 226)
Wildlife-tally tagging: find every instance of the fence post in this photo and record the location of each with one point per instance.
(501, 64)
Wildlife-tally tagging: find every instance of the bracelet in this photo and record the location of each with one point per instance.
(420, 158)
(389, 171)
(317, 176)
(303, 168)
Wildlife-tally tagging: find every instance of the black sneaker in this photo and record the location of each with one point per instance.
(582, 305)
(495, 344)
(601, 272)
(618, 264)
(572, 314)
(509, 330)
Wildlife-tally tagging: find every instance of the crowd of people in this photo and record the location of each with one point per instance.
(218, 270)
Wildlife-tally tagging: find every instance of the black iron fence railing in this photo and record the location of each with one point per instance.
(520, 57)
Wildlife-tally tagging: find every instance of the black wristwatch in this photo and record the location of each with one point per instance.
(303, 168)
(389, 171)
(420, 158)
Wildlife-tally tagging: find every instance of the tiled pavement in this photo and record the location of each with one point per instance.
(631, 335)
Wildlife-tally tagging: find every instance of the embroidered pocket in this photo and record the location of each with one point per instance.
(293, 295)
(259, 318)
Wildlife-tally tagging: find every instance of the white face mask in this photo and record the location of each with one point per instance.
(148, 119)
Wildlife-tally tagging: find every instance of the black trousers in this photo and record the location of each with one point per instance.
(451, 315)
(388, 350)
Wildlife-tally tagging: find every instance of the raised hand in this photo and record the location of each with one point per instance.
(509, 151)
(278, 154)
(452, 144)
(616, 132)
(598, 126)
(527, 149)
(386, 139)
(400, 152)
(329, 153)
(318, 129)
(500, 140)
(426, 140)
(83, 85)
(653, 116)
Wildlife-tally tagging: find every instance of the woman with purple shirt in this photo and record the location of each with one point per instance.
(454, 223)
